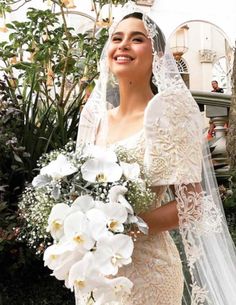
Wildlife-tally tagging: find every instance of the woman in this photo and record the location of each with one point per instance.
(164, 132)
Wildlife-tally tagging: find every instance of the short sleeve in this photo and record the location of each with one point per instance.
(173, 132)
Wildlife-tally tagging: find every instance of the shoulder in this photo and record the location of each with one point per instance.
(172, 106)
(173, 132)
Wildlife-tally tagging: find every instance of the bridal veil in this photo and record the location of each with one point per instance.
(176, 156)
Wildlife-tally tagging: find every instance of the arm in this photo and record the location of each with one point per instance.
(163, 218)
(166, 217)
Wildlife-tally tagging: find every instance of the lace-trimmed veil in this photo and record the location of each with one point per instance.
(177, 155)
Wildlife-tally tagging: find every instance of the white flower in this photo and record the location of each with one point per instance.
(99, 170)
(59, 259)
(130, 170)
(115, 215)
(62, 271)
(56, 220)
(41, 180)
(83, 276)
(113, 291)
(97, 223)
(54, 255)
(98, 152)
(58, 168)
(77, 233)
(113, 252)
(83, 203)
(116, 194)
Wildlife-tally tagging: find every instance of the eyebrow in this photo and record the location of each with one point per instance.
(131, 33)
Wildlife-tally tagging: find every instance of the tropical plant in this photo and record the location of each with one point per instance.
(47, 70)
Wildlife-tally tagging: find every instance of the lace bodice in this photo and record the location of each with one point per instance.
(136, 145)
(156, 268)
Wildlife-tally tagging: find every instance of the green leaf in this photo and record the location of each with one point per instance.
(10, 26)
(24, 65)
(17, 158)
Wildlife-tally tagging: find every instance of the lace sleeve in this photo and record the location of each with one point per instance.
(173, 139)
(176, 155)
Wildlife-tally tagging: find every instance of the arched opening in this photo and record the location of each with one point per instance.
(206, 51)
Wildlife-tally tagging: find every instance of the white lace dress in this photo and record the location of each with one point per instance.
(156, 269)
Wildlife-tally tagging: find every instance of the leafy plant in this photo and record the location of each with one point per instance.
(46, 72)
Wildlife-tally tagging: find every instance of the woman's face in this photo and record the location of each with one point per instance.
(130, 50)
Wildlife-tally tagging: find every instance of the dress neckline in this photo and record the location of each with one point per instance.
(127, 139)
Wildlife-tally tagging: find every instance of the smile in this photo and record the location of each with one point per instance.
(122, 58)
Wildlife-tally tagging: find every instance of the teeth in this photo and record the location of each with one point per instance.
(123, 58)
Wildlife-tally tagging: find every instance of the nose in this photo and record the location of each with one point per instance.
(124, 45)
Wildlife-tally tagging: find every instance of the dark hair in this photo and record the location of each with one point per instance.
(159, 41)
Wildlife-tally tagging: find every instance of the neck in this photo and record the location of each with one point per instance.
(134, 96)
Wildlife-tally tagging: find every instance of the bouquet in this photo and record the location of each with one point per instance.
(82, 212)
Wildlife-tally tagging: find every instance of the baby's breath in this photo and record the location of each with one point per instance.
(36, 203)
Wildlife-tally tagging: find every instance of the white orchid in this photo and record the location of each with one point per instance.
(83, 276)
(56, 220)
(54, 255)
(83, 203)
(131, 171)
(113, 252)
(59, 168)
(101, 153)
(101, 170)
(116, 194)
(77, 233)
(41, 180)
(113, 290)
(62, 271)
(115, 215)
(97, 223)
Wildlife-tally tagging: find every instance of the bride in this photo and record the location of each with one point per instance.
(164, 131)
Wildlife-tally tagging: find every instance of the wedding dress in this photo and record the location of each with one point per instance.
(172, 149)
(156, 269)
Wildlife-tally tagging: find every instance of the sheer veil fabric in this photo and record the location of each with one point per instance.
(176, 155)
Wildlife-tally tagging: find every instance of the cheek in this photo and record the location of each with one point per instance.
(110, 53)
(146, 57)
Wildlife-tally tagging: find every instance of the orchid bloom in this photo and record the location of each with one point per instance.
(56, 220)
(101, 166)
(98, 152)
(58, 168)
(131, 171)
(83, 276)
(55, 170)
(113, 291)
(113, 252)
(83, 203)
(115, 215)
(100, 170)
(77, 233)
(116, 194)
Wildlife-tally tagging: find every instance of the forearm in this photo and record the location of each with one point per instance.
(162, 219)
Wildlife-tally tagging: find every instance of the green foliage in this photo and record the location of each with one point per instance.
(41, 94)
(46, 70)
(228, 195)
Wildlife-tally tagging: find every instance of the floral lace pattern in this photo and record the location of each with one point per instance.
(174, 157)
(156, 269)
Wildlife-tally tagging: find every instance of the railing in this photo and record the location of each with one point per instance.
(216, 107)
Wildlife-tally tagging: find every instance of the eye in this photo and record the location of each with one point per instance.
(138, 39)
(116, 38)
